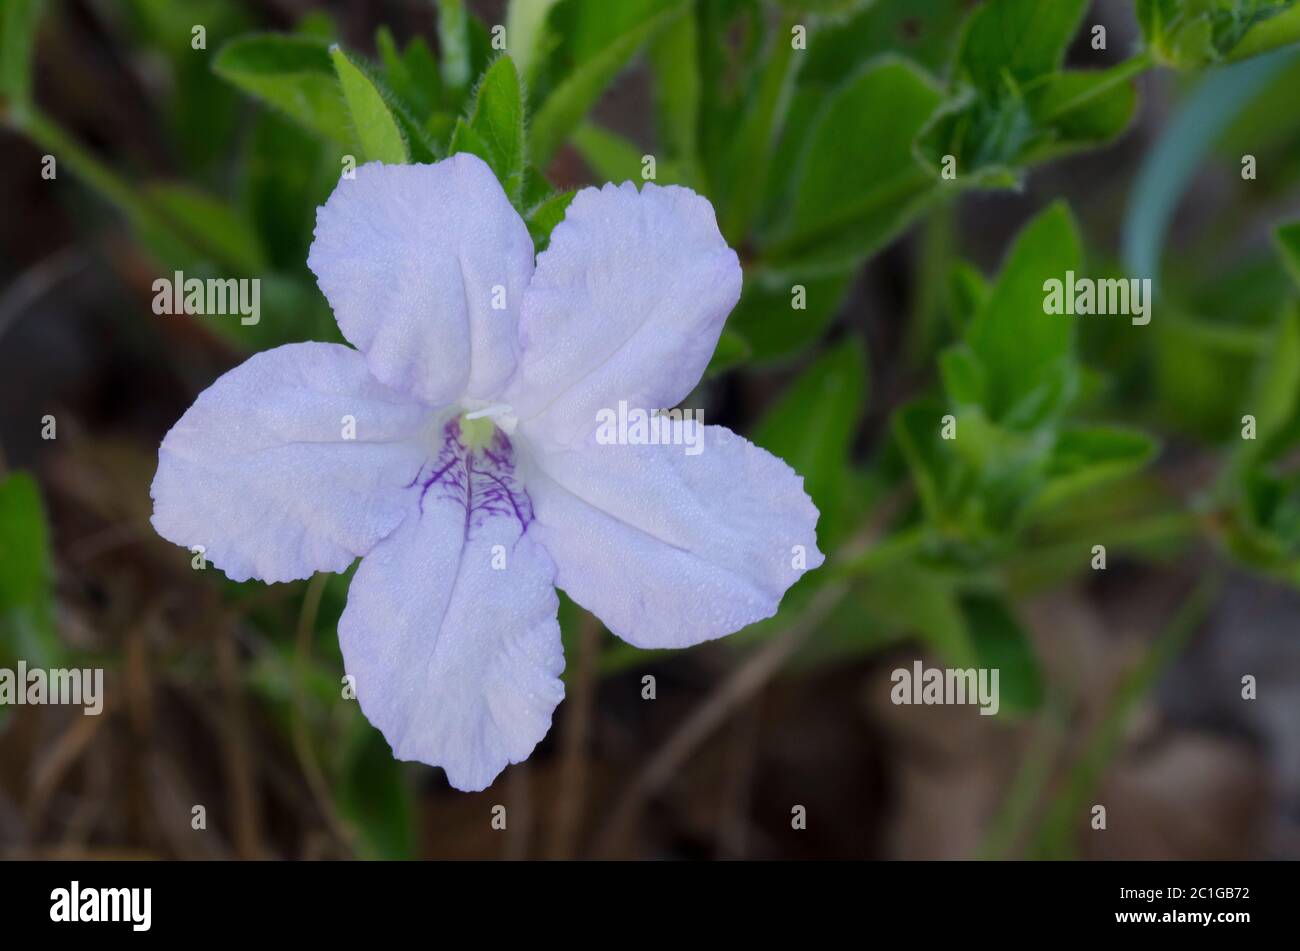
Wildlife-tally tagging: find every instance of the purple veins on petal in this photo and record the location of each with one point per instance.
(482, 480)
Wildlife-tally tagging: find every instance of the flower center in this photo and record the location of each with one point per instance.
(476, 430)
(475, 468)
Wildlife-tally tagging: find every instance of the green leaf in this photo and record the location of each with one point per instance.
(526, 31)
(1192, 34)
(731, 352)
(287, 173)
(769, 318)
(674, 54)
(18, 22)
(967, 294)
(290, 73)
(1080, 110)
(1018, 344)
(1269, 33)
(1017, 40)
(454, 43)
(1084, 458)
(375, 797)
(964, 378)
(1002, 644)
(1017, 108)
(1287, 238)
(569, 101)
(925, 31)
(375, 126)
(812, 425)
(223, 229)
(26, 583)
(413, 74)
(1275, 393)
(857, 182)
(916, 427)
(498, 121)
(465, 139)
(544, 216)
(991, 136)
(609, 155)
(911, 599)
(742, 175)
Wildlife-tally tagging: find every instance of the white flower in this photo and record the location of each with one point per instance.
(471, 482)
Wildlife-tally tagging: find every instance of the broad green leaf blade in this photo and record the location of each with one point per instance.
(376, 127)
(1002, 644)
(18, 22)
(412, 75)
(812, 426)
(857, 181)
(375, 797)
(498, 121)
(465, 139)
(1083, 109)
(1019, 344)
(570, 100)
(287, 173)
(291, 73)
(731, 352)
(1084, 458)
(1287, 238)
(675, 56)
(1274, 32)
(964, 378)
(1017, 39)
(525, 31)
(1193, 34)
(783, 313)
(26, 585)
(742, 176)
(455, 42)
(1019, 108)
(222, 228)
(925, 31)
(610, 156)
(913, 600)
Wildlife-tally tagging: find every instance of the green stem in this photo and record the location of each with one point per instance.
(142, 214)
(94, 173)
(1115, 76)
(1056, 839)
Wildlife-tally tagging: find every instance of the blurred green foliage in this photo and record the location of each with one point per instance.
(821, 130)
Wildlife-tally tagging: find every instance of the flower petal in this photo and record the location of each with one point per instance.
(259, 472)
(671, 549)
(425, 267)
(626, 304)
(450, 628)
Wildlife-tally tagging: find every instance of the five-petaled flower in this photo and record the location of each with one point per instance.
(472, 485)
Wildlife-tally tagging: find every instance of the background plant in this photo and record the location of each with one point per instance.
(821, 131)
